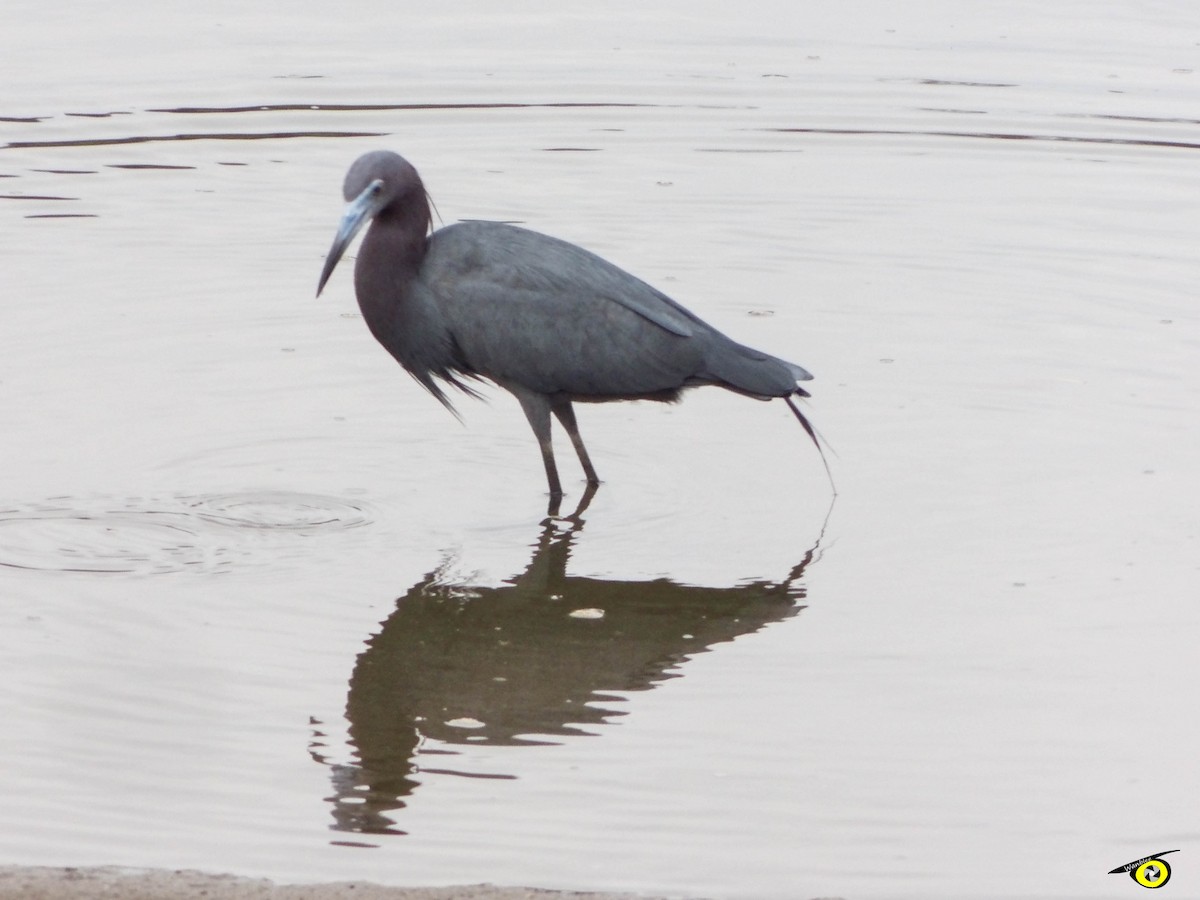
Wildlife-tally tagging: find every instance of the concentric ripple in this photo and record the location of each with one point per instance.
(69, 540)
(207, 533)
(279, 509)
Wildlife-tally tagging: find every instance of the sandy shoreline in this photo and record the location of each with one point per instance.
(111, 883)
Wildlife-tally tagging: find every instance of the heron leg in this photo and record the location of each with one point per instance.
(537, 411)
(562, 409)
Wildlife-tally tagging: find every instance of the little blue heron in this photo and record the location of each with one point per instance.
(542, 318)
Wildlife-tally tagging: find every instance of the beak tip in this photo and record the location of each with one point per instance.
(330, 263)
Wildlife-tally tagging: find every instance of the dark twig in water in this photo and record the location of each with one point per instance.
(812, 433)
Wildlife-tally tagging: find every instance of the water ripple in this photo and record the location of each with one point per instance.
(280, 510)
(158, 535)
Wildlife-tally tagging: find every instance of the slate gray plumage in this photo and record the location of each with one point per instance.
(544, 319)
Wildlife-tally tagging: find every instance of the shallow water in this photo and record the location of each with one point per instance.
(253, 578)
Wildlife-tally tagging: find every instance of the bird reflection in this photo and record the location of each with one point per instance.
(544, 656)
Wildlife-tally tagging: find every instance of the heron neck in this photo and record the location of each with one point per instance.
(388, 261)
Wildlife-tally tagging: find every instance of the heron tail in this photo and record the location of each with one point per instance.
(748, 371)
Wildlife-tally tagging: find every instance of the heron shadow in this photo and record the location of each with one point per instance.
(543, 657)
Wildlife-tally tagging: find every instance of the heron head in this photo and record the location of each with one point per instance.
(377, 184)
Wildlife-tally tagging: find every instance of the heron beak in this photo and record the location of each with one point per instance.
(361, 210)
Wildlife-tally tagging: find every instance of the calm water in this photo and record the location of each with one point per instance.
(266, 608)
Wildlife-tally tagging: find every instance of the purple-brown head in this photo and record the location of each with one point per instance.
(378, 183)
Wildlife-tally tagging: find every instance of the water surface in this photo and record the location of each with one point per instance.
(268, 609)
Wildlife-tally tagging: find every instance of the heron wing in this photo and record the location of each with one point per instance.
(516, 258)
(549, 315)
